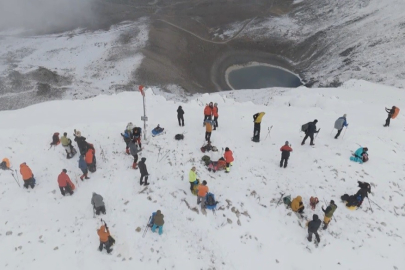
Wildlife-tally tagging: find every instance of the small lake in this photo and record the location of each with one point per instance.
(256, 76)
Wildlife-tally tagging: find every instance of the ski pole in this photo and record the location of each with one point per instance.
(375, 204)
(370, 205)
(332, 131)
(282, 194)
(158, 154)
(146, 227)
(15, 178)
(164, 155)
(344, 132)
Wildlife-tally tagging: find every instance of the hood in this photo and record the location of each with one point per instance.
(94, 194)
(158, 212)
(299, 198)
(143, 159)
(22, 165)
(315, 217)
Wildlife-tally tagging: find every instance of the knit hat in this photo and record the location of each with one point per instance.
(64, 170)
(344, 115)
(227, 149)
(332, 201)
(315, 121)
(204, 182)
(78, 134)
(287, 143)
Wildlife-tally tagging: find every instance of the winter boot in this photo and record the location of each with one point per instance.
(86, 177)
(325, 226)
(81, 177)
(127, 151)
(146, 184)
(135, 166)
(302, 143)
(309, 239)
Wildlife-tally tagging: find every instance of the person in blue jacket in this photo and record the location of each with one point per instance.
(340, 123)
(83, 167)
(360, 156)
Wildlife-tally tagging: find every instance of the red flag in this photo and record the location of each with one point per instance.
(141, 89)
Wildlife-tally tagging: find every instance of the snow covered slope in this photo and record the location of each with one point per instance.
(54, 232)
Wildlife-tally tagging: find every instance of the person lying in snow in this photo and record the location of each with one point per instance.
(360, 156)
(357, 199)
(217, 165)
(158, 129)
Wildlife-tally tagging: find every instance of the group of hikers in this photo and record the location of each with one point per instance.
(132, 139)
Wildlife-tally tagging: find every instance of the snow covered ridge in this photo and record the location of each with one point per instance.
(247, 230)
(75, 64)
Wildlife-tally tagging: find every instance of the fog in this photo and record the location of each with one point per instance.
(46, 16)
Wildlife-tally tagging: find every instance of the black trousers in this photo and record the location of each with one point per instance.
(135, 158)
(283, 161)
(64, 190)
(306, 137)
(387, 122)
(181, 120)
(338, 134)
(29, 183)
(208, 136)
(207, 117)
(316, 236)
(256, 131)
(100, 209)
(146, 179)
(215, 122)
(106, 245)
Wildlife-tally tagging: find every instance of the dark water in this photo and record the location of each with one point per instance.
(256, 77)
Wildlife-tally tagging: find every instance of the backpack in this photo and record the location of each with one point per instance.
(210, 201)
(304, 127)
(287, 200)
(203, 149)
(179, 137)
(396, 112)
(206, 160)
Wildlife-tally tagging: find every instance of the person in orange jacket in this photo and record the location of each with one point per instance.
(91, 159)
(202, 193)
(5, 164)
(104, 234)
(208, 130)
(285, 154)
(208, 112)
(215, 113)
(65, 185)
(27, 175)
(228, 159)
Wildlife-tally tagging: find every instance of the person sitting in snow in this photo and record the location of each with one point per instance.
(313, 227)
(5, 164)
(98, 203)
(360, 156)
(128, 136)
(357, 199)
(158, 222)
(55, 139)
(297, 205)
(158, 129)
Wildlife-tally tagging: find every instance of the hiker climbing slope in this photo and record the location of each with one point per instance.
(340, 123)
(392, 114)
(310, 131)
(27, 176)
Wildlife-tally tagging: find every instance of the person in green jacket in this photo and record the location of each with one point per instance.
(192, 177)
(328, 213)
(67, 144)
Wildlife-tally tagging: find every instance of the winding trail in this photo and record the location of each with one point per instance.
(207, 40)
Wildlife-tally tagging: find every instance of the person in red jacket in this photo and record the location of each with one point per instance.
(215, 113)
(228, 159)
(285, 154)
(65, 185)
(208, 112)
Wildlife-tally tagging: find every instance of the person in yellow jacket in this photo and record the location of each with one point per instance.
(257, 119)
(297, 205)
(192, 177)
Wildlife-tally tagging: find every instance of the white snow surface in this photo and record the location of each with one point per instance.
(50, 231)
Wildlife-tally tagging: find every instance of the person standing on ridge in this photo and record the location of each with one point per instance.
(285, 154)
(65, 185)
(207, 112)
(340, 123)
(27, 175)
(311, 130)
(215, 113)
(328, 213)
(228, 155)
(180, 116)
(202, 193)
(144, 172)
(104, 234)
(392, 113)
(67, 144)
(313, 227)
(208, 130)
(257, 119)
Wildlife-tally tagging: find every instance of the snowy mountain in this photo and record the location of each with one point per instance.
(41, 229)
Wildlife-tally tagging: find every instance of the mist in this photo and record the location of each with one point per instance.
(46, 16)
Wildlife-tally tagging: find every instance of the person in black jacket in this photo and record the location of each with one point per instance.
(81, 142)
(313, 227)
(390, 114)
(180, 117)
(144, 171)
(311, 130)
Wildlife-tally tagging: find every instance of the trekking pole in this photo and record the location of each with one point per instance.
(376, 204)
(332, 131)
(344, 132)
(164, 155)
(268, 133)
(282, 194)
(158, 154)
(146, 227)
(370, 205)
(15, 178)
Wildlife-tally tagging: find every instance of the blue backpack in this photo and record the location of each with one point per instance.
(210, 202)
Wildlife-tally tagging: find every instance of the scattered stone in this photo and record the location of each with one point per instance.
(9, 233)
(138, 229)
(126, 202)
(130, 258)
(229, 221)
(239, 222)
(20, 247)
(277, 261)
(119, 255)
(151, 249)
(19, 234)
(55, 248)
(383, 223)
